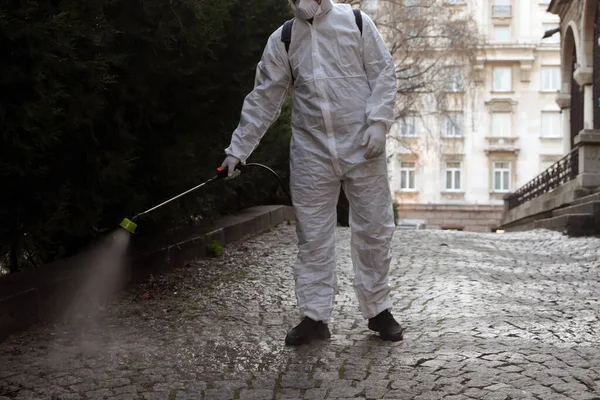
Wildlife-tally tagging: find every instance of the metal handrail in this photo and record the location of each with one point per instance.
(562, 171)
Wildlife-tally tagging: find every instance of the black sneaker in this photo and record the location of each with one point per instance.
(386, 325)
(306, 331)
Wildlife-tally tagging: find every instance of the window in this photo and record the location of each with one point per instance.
(550, 79)
(502, 79)
(369, 5)
(453, 176)
(548, 161)
(455, 80)
(554, 39)
(501, 177)
(407, 176)
(551, 124)
(409, 72)
(501, 124)
(454, 125)
(501, 8)
(414, 9)
(545, 165)
(410, 78)
(502, 33)
(408, 127)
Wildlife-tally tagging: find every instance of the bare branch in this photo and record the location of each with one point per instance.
(435, 46)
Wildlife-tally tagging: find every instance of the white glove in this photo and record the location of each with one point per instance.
(230, 163)
(374, 140)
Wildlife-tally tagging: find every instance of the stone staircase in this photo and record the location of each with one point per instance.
(579, 218)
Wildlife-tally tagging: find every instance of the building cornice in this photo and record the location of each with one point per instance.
(583, 76)
(563, 100)
(558, 7)
(523, 54)
(509, 52)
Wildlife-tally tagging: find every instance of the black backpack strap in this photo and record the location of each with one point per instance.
(286, 33)
(358, 18)
(286, 38)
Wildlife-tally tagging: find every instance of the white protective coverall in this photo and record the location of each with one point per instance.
(343, 83)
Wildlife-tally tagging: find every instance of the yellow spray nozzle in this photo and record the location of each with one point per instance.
(128, 225)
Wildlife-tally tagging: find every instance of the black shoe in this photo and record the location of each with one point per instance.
(306, 331)
(386, 325)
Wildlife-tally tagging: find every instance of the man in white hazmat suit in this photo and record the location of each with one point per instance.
(344, 87)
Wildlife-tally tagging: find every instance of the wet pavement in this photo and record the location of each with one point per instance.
(513, 316)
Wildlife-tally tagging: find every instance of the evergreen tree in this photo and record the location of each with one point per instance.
(110, 106)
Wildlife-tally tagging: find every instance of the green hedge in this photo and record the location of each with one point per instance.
(108, 107)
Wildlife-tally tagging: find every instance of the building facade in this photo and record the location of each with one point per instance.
(451, 170)
(566, 196)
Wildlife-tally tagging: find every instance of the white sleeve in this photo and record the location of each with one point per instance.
(381, 72)
(262, 106)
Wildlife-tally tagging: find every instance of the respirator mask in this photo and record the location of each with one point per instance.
(306, 9)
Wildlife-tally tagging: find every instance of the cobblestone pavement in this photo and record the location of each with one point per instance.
(513, 316)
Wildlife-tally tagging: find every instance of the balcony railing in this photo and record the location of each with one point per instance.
(501, 11)
(562, 171)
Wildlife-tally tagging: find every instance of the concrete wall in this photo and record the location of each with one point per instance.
(48, 293)
(444, 216)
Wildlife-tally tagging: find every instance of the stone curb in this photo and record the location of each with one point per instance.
(39, 295)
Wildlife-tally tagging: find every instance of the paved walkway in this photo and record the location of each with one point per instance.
(512, 316)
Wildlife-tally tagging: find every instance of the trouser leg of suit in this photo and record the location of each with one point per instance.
(372, 227)
(315, 193)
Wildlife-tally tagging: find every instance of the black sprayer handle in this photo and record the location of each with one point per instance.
(222, 171)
